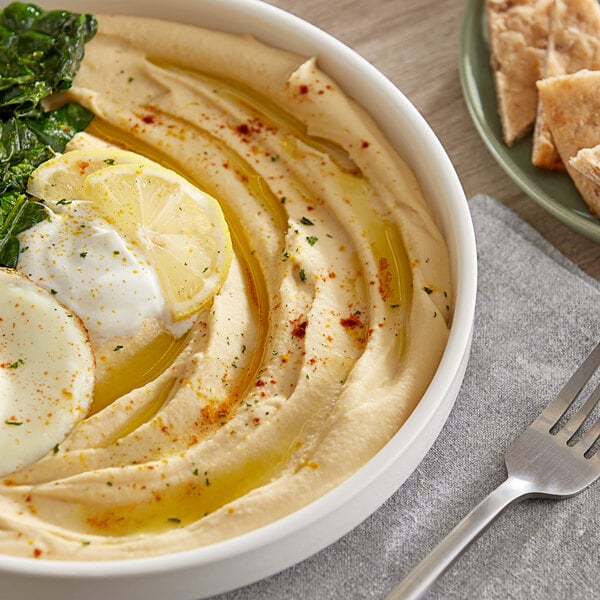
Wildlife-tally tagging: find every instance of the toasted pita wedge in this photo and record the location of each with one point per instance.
(587, 162)
(517, 33)
(571, 104)
(573, 44)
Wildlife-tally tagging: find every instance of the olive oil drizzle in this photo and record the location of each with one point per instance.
(138, 370)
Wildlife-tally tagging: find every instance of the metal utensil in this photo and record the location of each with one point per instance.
(552, 458)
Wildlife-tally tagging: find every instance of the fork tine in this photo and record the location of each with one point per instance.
(590, 437)
(576, 421)
(557, 408)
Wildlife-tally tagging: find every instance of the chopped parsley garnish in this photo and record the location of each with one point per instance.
(306, 221)
(312, 240)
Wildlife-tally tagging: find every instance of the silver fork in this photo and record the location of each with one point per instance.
(544, 461)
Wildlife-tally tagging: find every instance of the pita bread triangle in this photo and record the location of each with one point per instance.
(517, 34)
(571, 104)
(573, 45)
(587, 162)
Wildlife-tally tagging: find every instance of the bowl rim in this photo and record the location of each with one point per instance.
(457, 218)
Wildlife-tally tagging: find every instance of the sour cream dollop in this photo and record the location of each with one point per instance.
(103, 278)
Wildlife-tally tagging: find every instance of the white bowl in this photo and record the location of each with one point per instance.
(224, 566)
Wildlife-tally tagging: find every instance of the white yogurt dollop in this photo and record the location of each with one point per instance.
(39, 403)
(78, 256)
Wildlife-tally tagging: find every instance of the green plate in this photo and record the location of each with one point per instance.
(555, 192)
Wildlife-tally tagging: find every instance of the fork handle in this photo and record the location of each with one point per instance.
(420, 579)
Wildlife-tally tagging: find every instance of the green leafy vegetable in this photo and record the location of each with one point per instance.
(40, 53)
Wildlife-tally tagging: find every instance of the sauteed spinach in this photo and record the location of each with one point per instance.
(40, 53)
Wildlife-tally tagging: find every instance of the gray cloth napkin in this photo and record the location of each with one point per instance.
(536, 319)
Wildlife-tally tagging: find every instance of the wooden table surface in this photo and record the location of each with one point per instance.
(415, 43)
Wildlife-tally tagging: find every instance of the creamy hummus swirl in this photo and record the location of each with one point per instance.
(327, 331)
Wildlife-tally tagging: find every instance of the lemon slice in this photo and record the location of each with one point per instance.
(46, 372)
(63, 177)
(180, 229)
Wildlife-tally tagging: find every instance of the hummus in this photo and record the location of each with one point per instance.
(324, 337)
